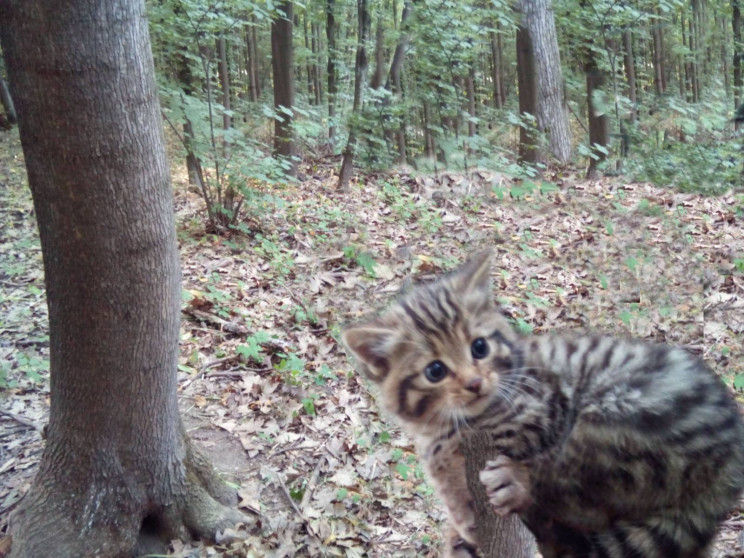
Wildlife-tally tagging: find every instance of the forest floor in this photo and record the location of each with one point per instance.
(266, 388)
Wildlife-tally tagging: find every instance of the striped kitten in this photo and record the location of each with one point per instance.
(606, 448)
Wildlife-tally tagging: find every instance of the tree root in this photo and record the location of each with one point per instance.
(113, 517)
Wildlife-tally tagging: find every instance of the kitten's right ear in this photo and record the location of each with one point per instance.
(371, 345)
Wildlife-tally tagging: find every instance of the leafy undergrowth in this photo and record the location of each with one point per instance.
(264, 384)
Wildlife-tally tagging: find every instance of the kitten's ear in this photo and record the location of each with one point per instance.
(371, 345)
(475, 275)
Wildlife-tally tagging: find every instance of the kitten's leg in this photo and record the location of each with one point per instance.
(507, 484)
(455, 546)
(446, 470)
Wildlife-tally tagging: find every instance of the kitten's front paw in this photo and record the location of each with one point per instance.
(507, 485)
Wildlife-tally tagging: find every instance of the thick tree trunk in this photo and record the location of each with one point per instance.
(552, 115)
(500, 537)
(360, 80)
(529, 150)
(282, 63)
(116, 453)
(331, 69)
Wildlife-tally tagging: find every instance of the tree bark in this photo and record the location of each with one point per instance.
(331, 69)
(116, 453)
(529, 150)
(658, 56)
(552, 115)
(252, 43)
(379, 72)
(360, 80)
(738, 54)
(598, 122)
(499, 537)
(498, 70)
(630, 73)
(7, 102)
(282, 63)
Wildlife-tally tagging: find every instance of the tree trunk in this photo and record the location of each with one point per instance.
(331, 69)
(308, 62)
(630, 73)
(393, 82)
(116, 453)
(317, 79)
(498, 70)
(379, 72)
(598, 122)
(360, 80)
(529, 150)
(658, 56)
(738, 54)
(552, 115)
(252, 42)
(224, 81)
(500, 537)
(7, 102)
(282, 64)
(470, 88)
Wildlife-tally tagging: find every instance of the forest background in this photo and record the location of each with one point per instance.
(426, 103)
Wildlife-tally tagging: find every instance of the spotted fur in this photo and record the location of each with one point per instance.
(606, 448)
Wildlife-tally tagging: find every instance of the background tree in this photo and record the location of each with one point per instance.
(282, 63)
(116, 454)
(552, 116)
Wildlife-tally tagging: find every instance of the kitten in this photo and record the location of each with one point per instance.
(606, 448)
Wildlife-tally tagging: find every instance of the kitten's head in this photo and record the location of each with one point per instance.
(438, 351)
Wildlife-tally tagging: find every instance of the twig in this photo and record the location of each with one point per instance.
(20, 420)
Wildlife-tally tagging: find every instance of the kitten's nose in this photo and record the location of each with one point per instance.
(474, 384)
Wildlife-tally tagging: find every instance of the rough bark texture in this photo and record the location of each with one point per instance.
(90, 127)
(501, 537)
(552, 115)
(497, 68)
(360, 79)
(282, 63)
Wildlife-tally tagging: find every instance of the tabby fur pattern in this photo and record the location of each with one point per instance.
(605, 447)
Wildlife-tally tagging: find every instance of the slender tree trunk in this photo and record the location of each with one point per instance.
(738, 54)
(251, 62)
(393, 83)
(282, 63)
(552, 115)
(630, 72)
(7, 102)
(116, 452)
(308, 62)
(498, 70)
(658, 56)
(331, 70)
(224, 81)
(598, 122)
(470, 88)
(379, 72)
(317, 77)
(722, 27)
(360, 80)
(529, 150)
(429, 143)
(500, 537)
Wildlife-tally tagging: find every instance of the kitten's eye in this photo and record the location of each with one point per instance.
(479, 348)
(435, 371)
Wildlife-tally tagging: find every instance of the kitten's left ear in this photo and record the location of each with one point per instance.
(475, 275)
(371, 345)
